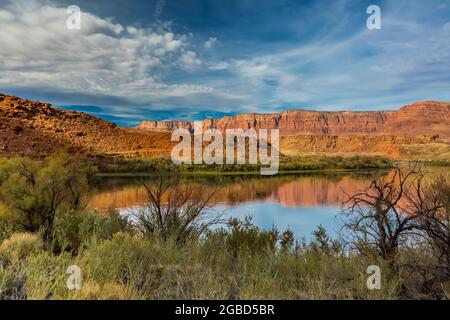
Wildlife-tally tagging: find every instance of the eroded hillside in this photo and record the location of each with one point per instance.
(35, 129)
(417, 131)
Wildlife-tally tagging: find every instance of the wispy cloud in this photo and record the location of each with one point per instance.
(103, 57)
(270, 56)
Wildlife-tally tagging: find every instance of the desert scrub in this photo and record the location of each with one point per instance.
(35, 193)
(122, 259)
(127, 266)
(304, 163)
(131, 267)
(46, 276)
(7, 222)
(74, 230)
(16, 248)
(13, 254)
(146, 268)
(11, 285)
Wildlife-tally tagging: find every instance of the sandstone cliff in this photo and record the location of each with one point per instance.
(421, 118)
(418, 131)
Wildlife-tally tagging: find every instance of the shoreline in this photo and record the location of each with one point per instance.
(235, 173)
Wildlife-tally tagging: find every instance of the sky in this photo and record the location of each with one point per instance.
(166, 59)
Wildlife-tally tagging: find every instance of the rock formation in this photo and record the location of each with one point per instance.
(421, 118)
(417, 131)
(33, 128)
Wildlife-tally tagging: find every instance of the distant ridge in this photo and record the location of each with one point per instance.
(417, 131)
(420, 118)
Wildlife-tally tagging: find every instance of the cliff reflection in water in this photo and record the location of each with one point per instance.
(289, 191)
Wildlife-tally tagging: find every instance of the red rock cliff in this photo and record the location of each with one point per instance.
(421, 118)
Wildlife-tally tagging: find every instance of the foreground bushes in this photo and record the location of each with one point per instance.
(239, 261)
(19, 246)
(126, 266)
(170, 252)
(33, 194)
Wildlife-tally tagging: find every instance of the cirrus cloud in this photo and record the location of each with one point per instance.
(274, 55)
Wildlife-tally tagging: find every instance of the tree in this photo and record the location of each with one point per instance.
(377, 220)
(433, 223)
(35, 192)
(176, 210)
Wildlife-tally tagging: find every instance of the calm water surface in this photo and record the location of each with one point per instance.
(299, 202)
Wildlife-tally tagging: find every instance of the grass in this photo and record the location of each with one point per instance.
(120, 260)
(222, 265)
(133, 165)
(438, 163)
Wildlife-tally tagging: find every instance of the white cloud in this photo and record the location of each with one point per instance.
(189, 60)
(103, 57)
(405, 61)
(211, 42)
(185, 89)
(6, 16)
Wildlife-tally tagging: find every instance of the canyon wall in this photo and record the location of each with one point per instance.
(417, 131)
(421, 118)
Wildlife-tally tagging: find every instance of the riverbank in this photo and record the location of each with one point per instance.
(131, 166)
(232, 173)
(237, 263)
(175, 248)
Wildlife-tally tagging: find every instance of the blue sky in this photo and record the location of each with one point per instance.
(190, 59)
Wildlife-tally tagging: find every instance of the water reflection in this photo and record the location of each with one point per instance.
(300, 202)
(290, 191)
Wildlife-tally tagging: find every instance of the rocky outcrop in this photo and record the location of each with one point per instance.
(417, 131)
(421, 118)
(165, 125)
(421, 147)
(36, 129)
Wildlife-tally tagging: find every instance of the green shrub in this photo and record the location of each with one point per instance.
(11, 285)
(36, 192)
(7, 222)
(244, 235)
(158, 165)
(46, 276)
(19, 246)
(74, 230)
(126, 261)
(240, 263)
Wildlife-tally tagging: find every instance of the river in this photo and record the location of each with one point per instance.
(300, 202)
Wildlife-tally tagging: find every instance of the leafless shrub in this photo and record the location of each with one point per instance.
(405, 212)
(433, 223)
(176, 210)
(378, 220)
